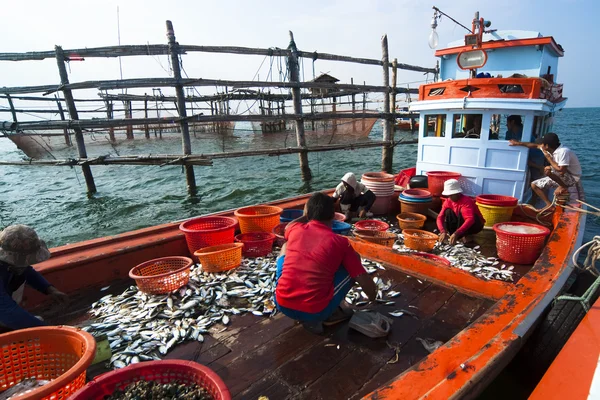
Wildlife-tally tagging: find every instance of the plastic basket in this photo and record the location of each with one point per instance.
(341, 228)
(290, 215)
(220, 258)
(339, 217)
(279, 232)
(164, 371)
(404, 176)
(412, 207)
(436, 179)
(371, 225)
(409, 220)
(520, 248)
(496, 200)
(258, 218)
(162, 275)
(59, 354)
(208, 231)
(256, 244)
(495, 214)
(419, 240)
(378, 237)
(416, 194)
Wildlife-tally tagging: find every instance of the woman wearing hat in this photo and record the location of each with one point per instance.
(459, 216)
(20, 247)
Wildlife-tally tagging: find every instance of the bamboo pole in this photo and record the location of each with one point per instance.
(297, 100)
(64, 79)
(109, 115)
(388, 151)
(393, 95)
(61, 112)
(185, 134)
(12, 108)
(353, 106)
(146, 127)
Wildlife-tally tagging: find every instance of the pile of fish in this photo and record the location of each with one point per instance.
(152, 390)
(25, 386)
(143, 327)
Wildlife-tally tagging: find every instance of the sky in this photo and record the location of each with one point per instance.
(349, 27)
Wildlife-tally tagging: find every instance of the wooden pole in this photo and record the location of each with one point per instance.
(393, 93)
(185, 134)
(388, 151)
(146, 127)
(61, 112)
(128, 115)
(353, 106)
(109, 115)
(64, 80)
(297, 100)
(12, 108)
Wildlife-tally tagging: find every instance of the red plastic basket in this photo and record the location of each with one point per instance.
(417, 193)
(520, 248)
(162, 275)
(279, 232)
(208, 231)
(496, 200)
(339, 217)
(164, 371)
(371, 225)
(436, 179)
(404, 176)
(59, 354)
(256, 244)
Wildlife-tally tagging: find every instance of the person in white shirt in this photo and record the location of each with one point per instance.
(354, 197)
(563, 173)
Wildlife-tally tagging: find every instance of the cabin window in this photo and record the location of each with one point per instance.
(506, 127)
(467, 126)
(435, 125)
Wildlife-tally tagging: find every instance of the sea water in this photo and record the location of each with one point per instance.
(54, 201)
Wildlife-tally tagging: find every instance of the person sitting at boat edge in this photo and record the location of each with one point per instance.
(564, 172)
(316, 268)
(459, 216)
(354, 197)
(20, 247)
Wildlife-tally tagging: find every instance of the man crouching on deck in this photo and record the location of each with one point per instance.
(317, 268)
(460, 217)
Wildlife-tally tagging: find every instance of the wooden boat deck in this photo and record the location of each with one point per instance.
(276, 357)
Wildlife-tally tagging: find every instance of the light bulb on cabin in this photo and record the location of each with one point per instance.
(434, 39)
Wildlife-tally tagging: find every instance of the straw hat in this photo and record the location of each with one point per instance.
(21, 246)
(451, 186)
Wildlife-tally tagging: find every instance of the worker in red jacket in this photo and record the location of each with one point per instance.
(459, 216)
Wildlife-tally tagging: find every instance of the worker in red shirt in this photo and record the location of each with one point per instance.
(317, 268)
(459, 216)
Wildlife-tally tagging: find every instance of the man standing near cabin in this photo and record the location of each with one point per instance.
(514, 124)
(459, 216)
(563, 173)
(316, 268)
(20, 247)
(354, 197)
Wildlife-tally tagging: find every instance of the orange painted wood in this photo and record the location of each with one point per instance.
(482, 88)
(548, 40)
(570, 375)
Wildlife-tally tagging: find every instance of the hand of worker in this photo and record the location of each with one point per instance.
(513, 142)
(560, 190)
(442, 237)
(362, 213)
(57, 295)
(547, 171)
(453, 239)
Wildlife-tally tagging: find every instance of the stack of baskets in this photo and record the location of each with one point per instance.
(416, 201)
(382, 184)
(495, 208)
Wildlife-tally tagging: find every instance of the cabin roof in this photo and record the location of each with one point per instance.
(325, 78)
(504, 39)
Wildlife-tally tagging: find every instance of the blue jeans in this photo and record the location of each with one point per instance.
(341, 284)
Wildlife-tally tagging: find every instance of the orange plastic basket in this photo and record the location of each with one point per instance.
(419, 240)
(208, 231)
(163, 371)
(258, 218)
(378, 237)
(220, 258)
(410, 220)
(162, 275)
(60, 354)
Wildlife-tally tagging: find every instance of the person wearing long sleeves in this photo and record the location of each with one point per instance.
(20, 247)
(459, 216)
(354, 197)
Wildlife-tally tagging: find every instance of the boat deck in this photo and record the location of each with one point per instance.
(276, 357)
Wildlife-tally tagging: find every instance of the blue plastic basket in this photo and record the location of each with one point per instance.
(341, 228)
(290, 215)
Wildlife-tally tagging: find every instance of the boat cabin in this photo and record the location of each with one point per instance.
(503, 89)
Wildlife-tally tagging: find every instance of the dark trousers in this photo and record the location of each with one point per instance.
(365, 200)
(452, 222)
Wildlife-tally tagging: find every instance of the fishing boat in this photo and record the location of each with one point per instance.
(457, 330)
